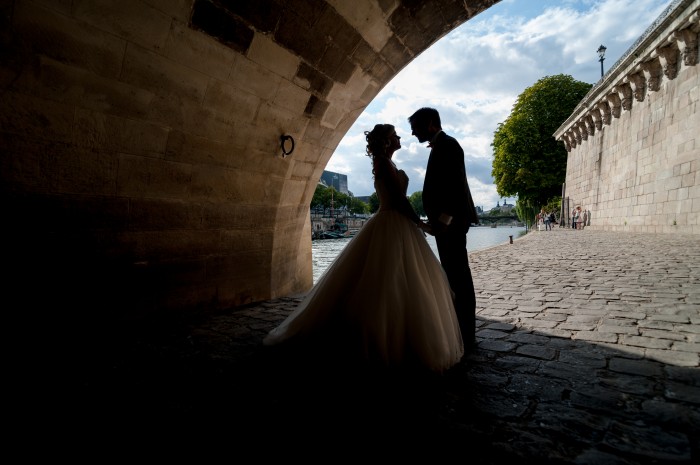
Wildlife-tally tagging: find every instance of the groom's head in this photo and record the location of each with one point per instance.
(425, 123)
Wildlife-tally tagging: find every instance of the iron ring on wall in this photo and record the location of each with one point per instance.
(283, 140)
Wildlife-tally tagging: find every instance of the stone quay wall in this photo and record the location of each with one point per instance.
(634, 141)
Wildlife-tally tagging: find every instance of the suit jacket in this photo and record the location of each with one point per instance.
(445, 189)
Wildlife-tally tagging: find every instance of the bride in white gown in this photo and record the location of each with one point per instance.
(385, 298)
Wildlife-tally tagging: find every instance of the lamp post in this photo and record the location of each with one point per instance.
(601, 54)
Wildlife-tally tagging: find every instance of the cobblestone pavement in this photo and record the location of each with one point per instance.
(588, 353)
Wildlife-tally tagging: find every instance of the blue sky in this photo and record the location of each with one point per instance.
(474, 75)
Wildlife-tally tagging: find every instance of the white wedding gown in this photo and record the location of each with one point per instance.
(384, 298)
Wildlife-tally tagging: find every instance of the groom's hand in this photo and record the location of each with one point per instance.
(438, 228)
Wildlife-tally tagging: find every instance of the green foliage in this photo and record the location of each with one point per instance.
(526, 212)
(416, 200)
(358, 206)
(325, 198)
(554, 205)
(321, 198)
(528, 162)
(373, 203)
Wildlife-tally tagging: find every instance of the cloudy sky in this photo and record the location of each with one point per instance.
(474, 75)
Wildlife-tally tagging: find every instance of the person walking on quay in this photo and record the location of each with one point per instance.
(579, 218)
(574, 217)
(546, 219)
(448, 203)
(385, 299)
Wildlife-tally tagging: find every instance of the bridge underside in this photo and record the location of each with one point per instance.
(141, 158)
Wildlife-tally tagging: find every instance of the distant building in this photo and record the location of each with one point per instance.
(338, 181)
(505, 208)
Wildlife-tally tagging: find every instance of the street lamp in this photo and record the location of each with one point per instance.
(601, 53)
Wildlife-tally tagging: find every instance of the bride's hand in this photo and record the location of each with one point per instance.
(425, 227)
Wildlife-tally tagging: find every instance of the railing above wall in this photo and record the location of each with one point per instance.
(671, 41)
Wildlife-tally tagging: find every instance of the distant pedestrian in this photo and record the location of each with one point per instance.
(546, 219)
(579, 218)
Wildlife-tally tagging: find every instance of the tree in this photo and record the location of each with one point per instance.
(321, 199)
(528, 161)
(326, 197)
(526, 212)
(373, 203)
(358, 206)
(416, 200)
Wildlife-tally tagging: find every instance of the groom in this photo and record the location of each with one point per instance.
(448, 203)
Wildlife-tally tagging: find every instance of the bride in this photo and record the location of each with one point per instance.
(385, 299)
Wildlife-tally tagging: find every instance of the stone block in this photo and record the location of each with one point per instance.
(148, 70)
(177, 9)
(174, 246)
(271, 56)
(22, 161)
(141, 177)
(62, 6)
(163, 214)
(84, 171)
(56, 81)
(198, 51)
(184, 147)
(36, 118)
(231, 240)
(356, 14)
(206, 123)
(255, 79)
(273, 116)
(69, 41)
(132, 20)
(113, 133)
(291, 97)
(234, 185)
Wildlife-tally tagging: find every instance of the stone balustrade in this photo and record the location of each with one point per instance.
(630, 80)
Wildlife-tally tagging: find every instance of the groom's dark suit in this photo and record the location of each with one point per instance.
(446, 193)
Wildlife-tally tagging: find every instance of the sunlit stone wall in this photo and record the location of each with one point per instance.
(634, 141)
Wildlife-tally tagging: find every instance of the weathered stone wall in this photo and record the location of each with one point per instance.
(142, 167)
(634, 142)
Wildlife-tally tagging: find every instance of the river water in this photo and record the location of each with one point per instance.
(324, 251)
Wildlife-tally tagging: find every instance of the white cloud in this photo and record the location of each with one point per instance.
(474, 75)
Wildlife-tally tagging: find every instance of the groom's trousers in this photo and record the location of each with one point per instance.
(452, 248)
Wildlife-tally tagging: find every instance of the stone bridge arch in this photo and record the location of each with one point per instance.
(142, 167)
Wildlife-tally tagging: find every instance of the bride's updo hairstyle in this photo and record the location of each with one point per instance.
(378, 139)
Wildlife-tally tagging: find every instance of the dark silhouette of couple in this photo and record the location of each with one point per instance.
(386, 299)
